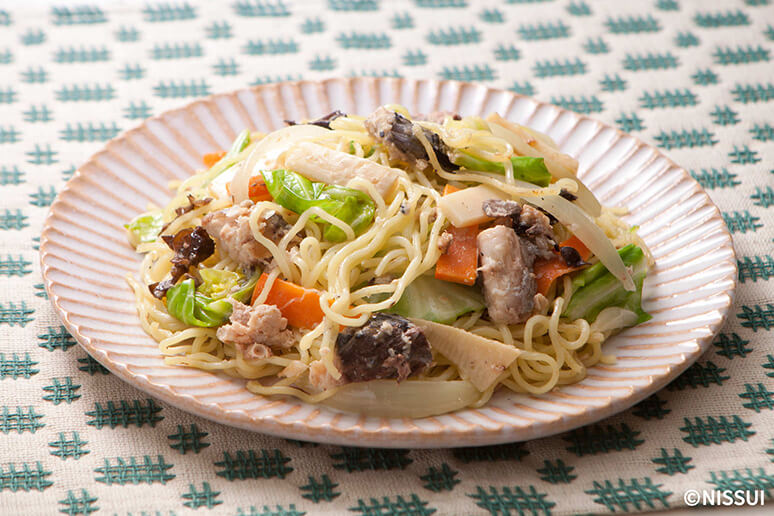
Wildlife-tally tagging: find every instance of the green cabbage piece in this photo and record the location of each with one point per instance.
(595, 288)
(531, 170)
(436, 300)
(298, 194)
(146, 227)
(195, 309)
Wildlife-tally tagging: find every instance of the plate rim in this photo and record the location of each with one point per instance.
(390, 438)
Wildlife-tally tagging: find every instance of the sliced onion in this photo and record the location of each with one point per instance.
(587, 231)
(559, 164)
(543, 137)
(411, 398)
(265, 153)
(613, 318)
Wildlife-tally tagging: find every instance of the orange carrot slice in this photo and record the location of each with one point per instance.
(258, 190)
(459, 262)
(448, 189)
(299, 305)
(211, 158)
(548, 270)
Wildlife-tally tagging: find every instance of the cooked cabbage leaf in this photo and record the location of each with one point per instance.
(297, 193)
(595, 288)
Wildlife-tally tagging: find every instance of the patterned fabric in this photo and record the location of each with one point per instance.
(694, 78)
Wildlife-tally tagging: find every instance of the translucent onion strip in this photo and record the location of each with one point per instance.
(414, 399)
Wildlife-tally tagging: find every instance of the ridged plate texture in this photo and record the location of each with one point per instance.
(85, 256)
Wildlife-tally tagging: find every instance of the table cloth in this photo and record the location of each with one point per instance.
(694, 78)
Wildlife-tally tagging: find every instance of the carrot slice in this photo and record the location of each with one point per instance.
(548, 270)
(299, 305)
(211, 158)
(258, 190)
(459, 262)
(448, 189)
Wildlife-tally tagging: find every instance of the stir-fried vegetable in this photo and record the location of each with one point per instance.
(582, 226)
(548, 270)
(223, 165)
(388, 398)
(326, 165)
(480, 360)
(299, 305)
(216, 283)
(596, 288)
(265, 152)
(459, 262)
(529, 169)
(145, 227)
(559, 164)
(258, 191)
(298, 194)
(240, 143)
(194, 308)
(465, 207)
(613, 319)
(368, 150)
(211, 158)
(435, 300)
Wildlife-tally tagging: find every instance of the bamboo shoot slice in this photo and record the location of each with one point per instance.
(480, 360)
(464, 207)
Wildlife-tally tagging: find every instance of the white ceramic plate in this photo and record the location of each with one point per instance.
(85, 256)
